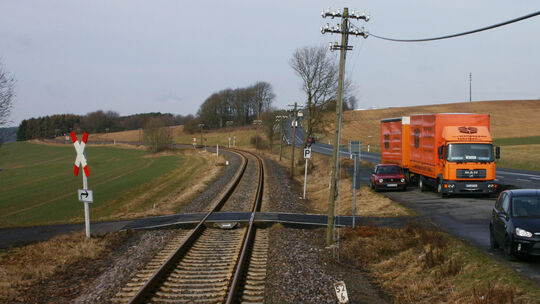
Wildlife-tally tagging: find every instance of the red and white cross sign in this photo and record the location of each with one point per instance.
(80, 146)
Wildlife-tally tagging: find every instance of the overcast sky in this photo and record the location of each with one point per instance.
(147, 56)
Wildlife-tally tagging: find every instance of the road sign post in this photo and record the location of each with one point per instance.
(355, 181)
(307, 156)
(80, 161)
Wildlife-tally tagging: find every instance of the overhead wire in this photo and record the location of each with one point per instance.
(460, 34)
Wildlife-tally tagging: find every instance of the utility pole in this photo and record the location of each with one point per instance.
(280, 117)
(293, 125)
(470, 87)
(201, 125)
(345, 29)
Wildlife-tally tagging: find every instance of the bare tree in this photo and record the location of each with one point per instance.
(319, 74)
(263, 96)
(353, 102)
(7, 84)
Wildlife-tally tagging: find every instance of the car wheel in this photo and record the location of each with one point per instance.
(492, 241)
(508, 253)
(404, 189)
(421, 183)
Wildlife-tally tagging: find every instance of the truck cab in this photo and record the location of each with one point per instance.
(467, 168)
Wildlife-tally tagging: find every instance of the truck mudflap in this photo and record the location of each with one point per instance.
(469, 186)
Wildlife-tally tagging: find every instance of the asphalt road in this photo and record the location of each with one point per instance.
(465, 217)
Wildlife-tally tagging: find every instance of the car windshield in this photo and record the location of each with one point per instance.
(526, 206)
(388, 170)
(470, 152)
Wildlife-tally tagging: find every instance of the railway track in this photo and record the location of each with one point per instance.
(209, 264)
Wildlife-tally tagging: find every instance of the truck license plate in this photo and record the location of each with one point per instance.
(471, 185)
(392, 185)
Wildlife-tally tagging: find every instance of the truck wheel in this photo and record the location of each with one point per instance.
(421, 183)
(440, 189)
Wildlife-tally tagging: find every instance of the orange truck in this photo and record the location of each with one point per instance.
(451, 152)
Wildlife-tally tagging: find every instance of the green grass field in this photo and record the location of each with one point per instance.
(516, 141)
(37, 185)
(526, 157)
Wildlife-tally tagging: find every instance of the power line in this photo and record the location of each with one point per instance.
(461, 34)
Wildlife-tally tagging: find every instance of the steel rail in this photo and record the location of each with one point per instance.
(146, 289)
(248, 236)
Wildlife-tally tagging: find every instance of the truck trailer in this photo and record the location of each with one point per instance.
(452, 152)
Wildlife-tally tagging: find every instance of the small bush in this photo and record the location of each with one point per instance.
(157, 137)
(433, 257)
(451, 268)
(261, 142)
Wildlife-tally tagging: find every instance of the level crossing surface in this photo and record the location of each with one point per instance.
(18, 236)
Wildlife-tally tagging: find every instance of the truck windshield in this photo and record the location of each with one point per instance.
(470, 152)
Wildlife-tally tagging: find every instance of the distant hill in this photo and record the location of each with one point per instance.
(8, 134)
(509, 118)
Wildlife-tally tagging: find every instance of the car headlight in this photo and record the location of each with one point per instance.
(402, 180)
(380, 180)
(523, 233)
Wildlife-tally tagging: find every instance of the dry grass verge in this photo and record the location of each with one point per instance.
(368, 203)
(419, 264)
(23, 267)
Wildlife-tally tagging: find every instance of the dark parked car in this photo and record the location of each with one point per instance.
(515, 222)
(387, 176)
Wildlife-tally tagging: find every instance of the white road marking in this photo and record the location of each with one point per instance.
(515, 173)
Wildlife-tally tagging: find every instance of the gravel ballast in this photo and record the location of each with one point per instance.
(204, 201)
(132, 257)
(299, 268)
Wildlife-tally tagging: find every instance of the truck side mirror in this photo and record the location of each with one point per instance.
(497, 152)
(440, 152)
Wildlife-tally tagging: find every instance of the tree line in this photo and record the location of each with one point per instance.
(94, 122)
(240, 106)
